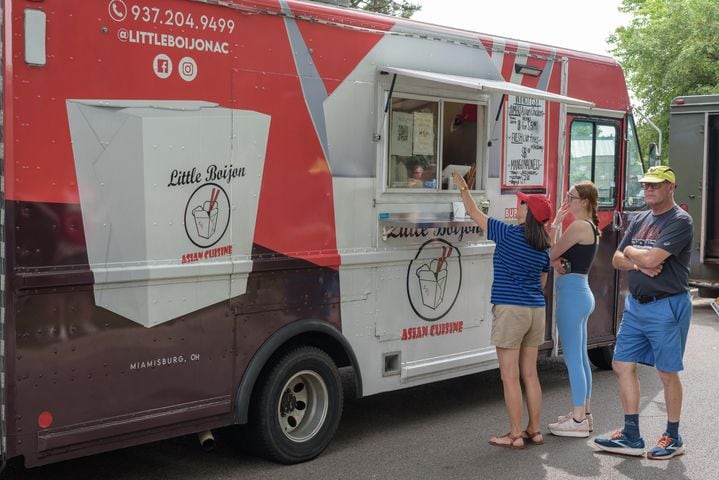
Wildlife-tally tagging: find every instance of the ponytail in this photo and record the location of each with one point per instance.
(535, 234)
(595, 220)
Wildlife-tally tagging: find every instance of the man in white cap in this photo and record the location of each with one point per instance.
(655, 251)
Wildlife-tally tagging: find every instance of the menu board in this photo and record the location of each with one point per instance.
(524, 160)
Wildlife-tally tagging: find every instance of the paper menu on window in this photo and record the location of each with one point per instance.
(401, 134)
(423, 134)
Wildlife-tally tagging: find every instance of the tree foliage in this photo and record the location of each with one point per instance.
(401, 8)
(670, 48)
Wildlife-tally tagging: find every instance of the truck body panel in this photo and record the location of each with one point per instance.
(195, 189)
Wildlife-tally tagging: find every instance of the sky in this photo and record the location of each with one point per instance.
(577, 24)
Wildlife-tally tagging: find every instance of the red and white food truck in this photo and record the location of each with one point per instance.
(209, 207)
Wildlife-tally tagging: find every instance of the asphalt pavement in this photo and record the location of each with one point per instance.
(440, 431)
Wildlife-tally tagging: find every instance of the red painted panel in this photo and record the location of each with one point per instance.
(488, 44)
(100, 58)
(337, 51)
(602, 82)
(109, 59)
(508, 61)
(296, 211)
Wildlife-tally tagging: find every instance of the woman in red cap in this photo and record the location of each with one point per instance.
(521, 265)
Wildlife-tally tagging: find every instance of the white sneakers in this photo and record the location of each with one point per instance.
(567, 427)
(589, 418)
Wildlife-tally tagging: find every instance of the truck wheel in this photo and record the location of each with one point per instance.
(601, 357)
(299, 406)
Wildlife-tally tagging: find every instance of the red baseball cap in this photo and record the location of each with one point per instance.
(538, 205)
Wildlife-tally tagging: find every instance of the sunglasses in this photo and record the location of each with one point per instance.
(571, 197)
(653, 186)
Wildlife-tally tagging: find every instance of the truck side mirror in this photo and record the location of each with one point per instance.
(653, 158)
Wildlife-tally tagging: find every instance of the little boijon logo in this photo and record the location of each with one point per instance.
(207, 215)
(434, 278)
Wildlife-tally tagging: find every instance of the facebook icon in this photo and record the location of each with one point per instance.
(162, 66)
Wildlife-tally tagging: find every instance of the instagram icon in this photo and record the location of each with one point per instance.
(188, 69)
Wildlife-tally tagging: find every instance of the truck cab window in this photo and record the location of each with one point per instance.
(633, 195)
(593, 155)
(431, 138)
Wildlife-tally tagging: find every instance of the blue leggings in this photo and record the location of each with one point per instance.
(575, 303)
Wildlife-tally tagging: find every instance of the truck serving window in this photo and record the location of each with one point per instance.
(593, 155)
(429, 138)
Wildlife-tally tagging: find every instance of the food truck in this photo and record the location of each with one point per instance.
(209, 207)
(694, 156)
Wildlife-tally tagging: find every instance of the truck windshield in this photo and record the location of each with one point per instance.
(633, 194)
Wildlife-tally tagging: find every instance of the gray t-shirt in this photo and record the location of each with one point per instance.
(671, 231)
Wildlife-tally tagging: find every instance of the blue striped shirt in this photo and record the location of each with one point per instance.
(518, 267)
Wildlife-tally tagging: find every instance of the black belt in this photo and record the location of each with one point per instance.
(652, 298)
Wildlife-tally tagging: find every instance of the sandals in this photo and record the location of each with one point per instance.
(534, 438)
(496, 441)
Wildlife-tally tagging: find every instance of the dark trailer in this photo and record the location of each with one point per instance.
(694, 156)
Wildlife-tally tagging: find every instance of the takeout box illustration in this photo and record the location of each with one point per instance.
(432, 279)
(140, 220)
(205, 216)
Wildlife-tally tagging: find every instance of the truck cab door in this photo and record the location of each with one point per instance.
(594, 154)
(632, 201)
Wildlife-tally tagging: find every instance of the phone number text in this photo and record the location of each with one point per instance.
(181, 19)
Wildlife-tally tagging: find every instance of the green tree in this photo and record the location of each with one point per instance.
(401, 8)
(670, 48)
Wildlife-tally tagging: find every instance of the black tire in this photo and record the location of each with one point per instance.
(601, 357)
(298, 407)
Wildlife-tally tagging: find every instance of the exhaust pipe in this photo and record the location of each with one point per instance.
(207, 440)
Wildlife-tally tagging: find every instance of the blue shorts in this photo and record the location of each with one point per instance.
(655, 333)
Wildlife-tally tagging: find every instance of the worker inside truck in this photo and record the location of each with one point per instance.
(415, 125)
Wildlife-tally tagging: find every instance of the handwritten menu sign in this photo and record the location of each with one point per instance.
(524, 142)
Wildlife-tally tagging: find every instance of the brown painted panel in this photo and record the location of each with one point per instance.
(88, 366)
(52, 438)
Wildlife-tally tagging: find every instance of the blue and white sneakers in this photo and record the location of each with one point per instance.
(620, 443)
(667, 447)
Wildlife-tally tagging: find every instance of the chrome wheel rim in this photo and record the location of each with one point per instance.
(302, 407)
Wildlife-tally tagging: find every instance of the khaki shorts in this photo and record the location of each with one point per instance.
(515, 326)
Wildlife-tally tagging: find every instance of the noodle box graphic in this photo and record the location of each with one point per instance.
(129, 156)
(432, 282)
(205, 216)
(205, 219)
